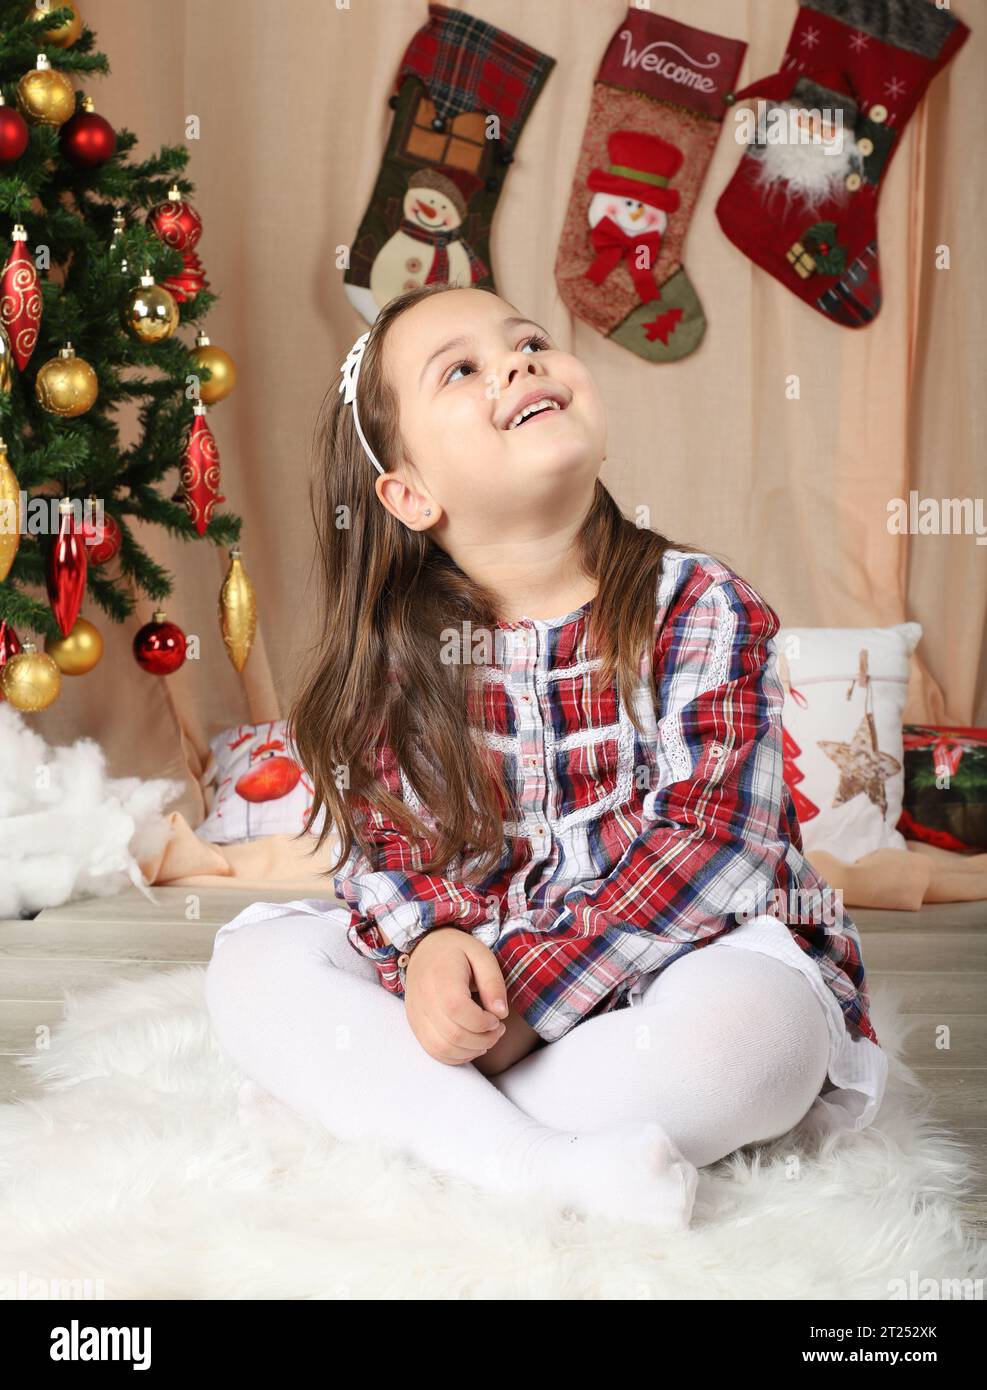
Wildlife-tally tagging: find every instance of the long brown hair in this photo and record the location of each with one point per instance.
(387, 595)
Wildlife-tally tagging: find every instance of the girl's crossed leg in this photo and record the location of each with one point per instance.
(724, 1048)
(305, 1017)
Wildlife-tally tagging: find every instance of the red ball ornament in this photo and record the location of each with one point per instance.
(14, 133)
(189, 280)
(10, 645)
(176, 222)
(159, 646)
(87, 140)
(65, 573)
(102, 541)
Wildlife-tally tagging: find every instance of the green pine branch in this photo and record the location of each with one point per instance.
(23, 612)
(147, 574)
(67, 213)
(112, 599)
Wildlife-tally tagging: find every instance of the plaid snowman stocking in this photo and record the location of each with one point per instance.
(428, 220)
(657, 107)
(803, 204)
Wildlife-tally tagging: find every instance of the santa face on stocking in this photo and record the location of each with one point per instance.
(805, 155)
(807, 212)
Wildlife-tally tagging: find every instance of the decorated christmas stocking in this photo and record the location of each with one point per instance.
(658, 104)
(803, 201)
(462, 95)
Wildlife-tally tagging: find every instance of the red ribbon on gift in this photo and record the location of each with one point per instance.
(947, 744)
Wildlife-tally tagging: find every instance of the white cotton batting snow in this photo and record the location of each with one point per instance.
(66, 829)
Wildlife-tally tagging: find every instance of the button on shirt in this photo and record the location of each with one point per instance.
(628, 851)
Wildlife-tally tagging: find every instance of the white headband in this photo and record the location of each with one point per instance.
(350, 371)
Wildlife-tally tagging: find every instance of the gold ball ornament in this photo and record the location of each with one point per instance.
(66, 385)
(45, 96)
(6, 360)
(10, 520)
(78, 653)
(149, 313)
(63, 35)
(237, 611)
(220, 364)
(30, 679)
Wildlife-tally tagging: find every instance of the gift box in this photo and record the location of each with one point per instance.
(945, 797)
(817, 252)
(800, 260)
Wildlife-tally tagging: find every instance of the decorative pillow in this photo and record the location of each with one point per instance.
(945, 787)
(261, 787)
(845, 691)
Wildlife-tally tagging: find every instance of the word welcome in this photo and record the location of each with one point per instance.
(684, 75)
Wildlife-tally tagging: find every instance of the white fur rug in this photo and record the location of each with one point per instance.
(146, 1167)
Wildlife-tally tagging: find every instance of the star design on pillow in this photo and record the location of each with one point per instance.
(863, 767)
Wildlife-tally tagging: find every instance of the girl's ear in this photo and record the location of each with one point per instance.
(414, 509)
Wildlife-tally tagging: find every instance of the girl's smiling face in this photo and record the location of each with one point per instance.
(463, 366)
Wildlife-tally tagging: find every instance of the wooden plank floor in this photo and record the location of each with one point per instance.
(937, 960)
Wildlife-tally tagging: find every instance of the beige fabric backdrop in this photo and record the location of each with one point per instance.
(292, 102)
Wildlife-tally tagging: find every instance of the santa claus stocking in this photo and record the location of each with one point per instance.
(658, 104)
(462, 95)
(803, 201)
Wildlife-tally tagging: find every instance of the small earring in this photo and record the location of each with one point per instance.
(428, 511)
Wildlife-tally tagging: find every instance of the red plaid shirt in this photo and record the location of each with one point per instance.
(628, 852)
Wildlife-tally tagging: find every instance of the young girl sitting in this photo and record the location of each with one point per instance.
(581, 950)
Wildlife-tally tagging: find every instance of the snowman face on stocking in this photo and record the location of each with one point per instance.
(430, 208)
(428, 246)
(629, 210)
(632, 217)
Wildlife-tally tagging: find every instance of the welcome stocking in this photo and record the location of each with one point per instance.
(658, 104)
(429, 216)
(805, 207)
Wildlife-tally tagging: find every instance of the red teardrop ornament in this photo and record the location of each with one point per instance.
(65, 574)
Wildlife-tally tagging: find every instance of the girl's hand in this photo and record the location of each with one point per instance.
(443, 970)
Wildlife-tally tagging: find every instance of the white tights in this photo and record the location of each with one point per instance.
(726, 1048)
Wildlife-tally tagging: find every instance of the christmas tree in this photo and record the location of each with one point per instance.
(805, 809)
(101, 275)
